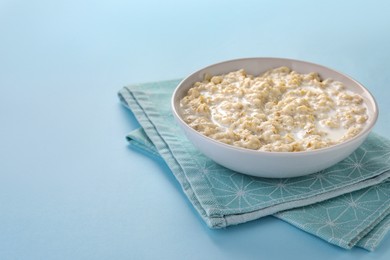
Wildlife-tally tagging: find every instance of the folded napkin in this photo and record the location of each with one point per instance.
(347, 204)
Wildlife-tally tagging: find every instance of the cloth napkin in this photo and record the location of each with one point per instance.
(347, 204)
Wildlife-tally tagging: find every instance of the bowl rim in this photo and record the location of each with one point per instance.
(365, 131)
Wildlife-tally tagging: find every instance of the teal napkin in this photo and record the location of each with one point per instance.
(347, 204)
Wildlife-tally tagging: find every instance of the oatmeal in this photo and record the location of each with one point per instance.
(279, 111)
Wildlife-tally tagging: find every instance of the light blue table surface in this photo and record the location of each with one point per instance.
(71, 188)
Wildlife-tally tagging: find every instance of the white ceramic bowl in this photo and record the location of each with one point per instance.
(272, 164)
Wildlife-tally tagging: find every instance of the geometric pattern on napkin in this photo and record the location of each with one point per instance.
(359, 218)
(346, 219)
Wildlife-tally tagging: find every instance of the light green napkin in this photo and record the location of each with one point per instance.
(358, 185)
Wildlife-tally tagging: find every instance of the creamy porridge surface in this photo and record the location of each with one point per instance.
(279, 111)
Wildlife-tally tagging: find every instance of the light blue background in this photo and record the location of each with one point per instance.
(70, 188)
